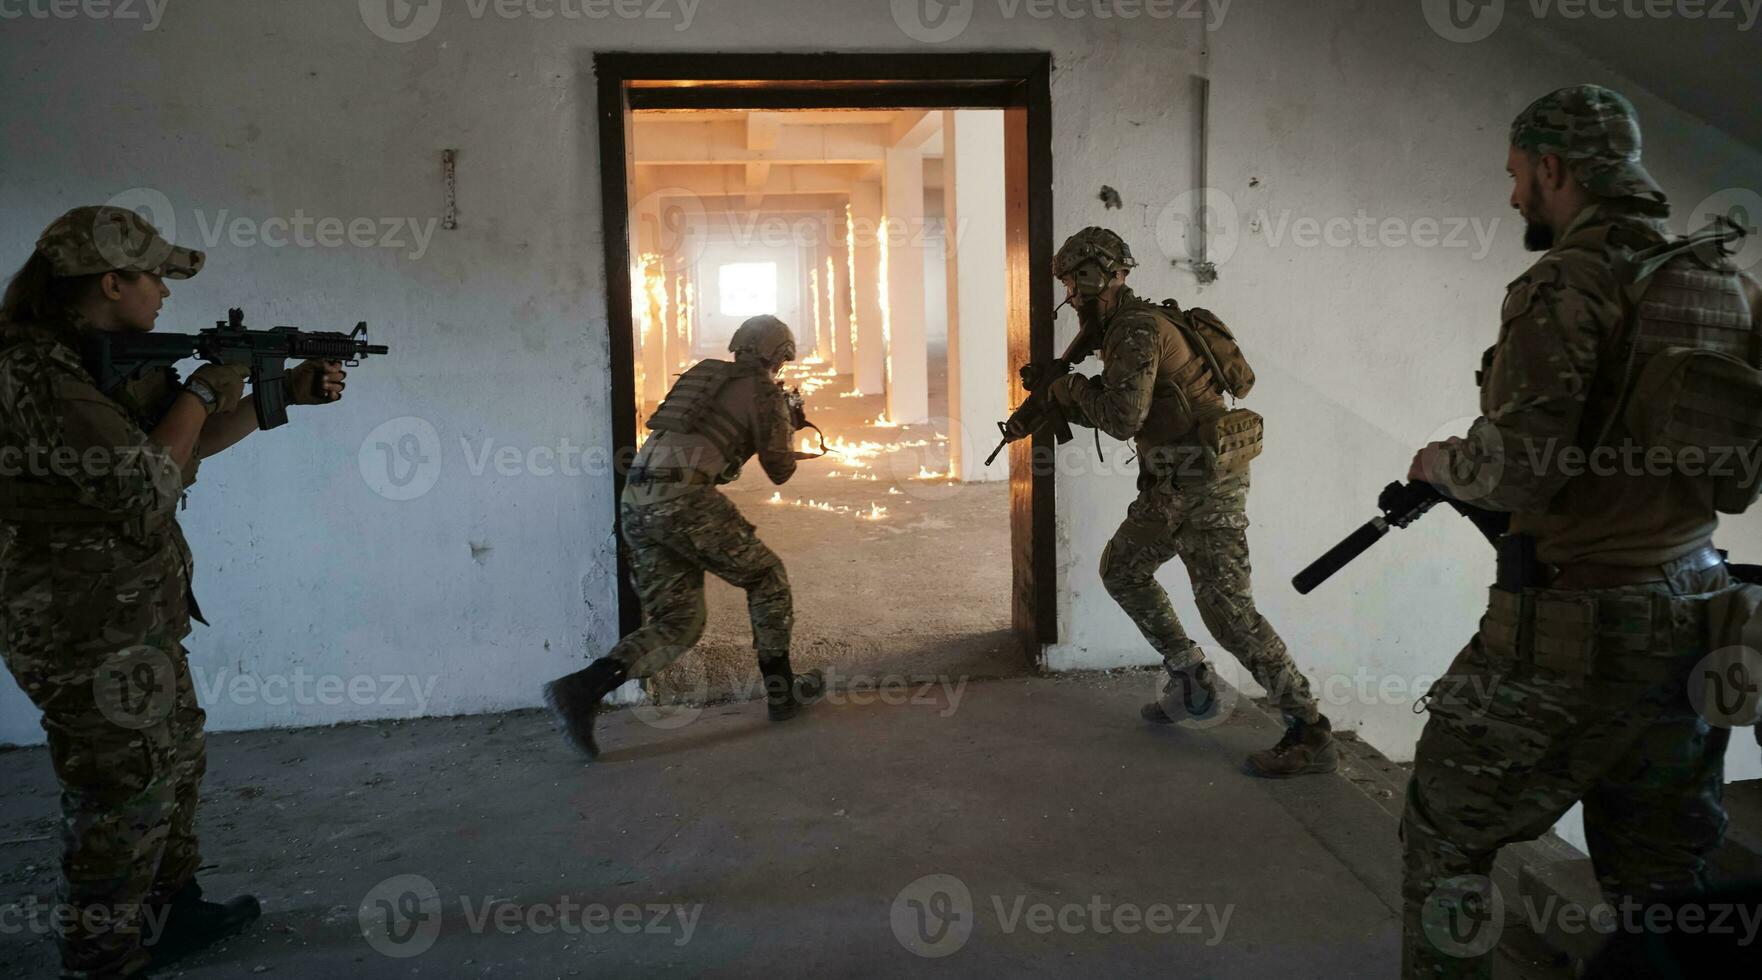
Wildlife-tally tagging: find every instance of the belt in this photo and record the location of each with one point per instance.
(640, 477)
(1588, 575)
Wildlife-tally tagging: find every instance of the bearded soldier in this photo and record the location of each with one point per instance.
(1577, 686)
(1162, 388)
(95, 593)
(677, 526)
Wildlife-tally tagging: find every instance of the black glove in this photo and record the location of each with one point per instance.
(798, 409)
(1036, 374)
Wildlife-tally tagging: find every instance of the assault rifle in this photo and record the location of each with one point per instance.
(798, 417)
(1401, 504)
(115, 356)
(1040, 409)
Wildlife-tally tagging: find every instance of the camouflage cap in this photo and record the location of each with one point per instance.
(1596, 131)
(101, 238)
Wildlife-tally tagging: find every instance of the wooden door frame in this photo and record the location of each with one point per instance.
(1019, 83)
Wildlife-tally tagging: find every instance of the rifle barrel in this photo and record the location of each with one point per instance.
(1355, 544)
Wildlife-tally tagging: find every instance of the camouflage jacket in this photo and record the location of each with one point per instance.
(1153, 386)
(85, 495)
(1547, 403)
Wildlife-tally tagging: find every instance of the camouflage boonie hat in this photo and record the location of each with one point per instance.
(1093, 243)
(101, 238)
(1596, 131)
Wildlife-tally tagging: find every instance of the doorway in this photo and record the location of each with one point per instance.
(666, 306)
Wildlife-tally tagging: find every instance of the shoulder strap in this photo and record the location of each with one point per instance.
(1173, 311)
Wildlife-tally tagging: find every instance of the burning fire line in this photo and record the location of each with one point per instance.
(875, 512)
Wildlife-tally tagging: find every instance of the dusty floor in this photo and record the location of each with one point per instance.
(1069, 838)
(897, 571)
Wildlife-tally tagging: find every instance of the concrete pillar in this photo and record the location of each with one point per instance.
(870, 364)
(819, 290)
(978, 292)
(843, 337)
(908, 386)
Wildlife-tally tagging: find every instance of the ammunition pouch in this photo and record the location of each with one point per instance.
(1691, 399)
(1232, 440)
(1572, 638)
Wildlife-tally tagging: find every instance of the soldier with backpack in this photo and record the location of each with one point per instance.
(1166, 372)
(1628, 366)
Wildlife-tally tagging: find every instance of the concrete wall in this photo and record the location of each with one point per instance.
(318, 555)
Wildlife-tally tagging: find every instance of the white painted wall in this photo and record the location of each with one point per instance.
(497, 578)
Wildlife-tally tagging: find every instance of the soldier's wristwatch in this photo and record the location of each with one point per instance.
(203, 392)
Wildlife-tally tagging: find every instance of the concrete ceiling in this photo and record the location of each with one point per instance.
(1711, 68)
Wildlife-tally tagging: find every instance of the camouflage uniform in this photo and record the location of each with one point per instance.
(1154, 388)
(95, 599)
(1578, 689)
(677, 525)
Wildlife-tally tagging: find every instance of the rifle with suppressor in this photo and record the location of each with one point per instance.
(1040, 409)
(1401, 504)
(113, 357)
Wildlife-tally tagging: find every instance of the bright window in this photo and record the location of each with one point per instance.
(747, 288)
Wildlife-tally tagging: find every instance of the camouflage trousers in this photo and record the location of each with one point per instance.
(125, 736)
(1204, 525)
(1562, 697)
(672, 542)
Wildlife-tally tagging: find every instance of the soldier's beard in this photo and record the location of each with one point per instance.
(1537, 238)
(1088, 311)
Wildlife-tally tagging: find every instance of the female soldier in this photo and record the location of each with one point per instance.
(94, 581)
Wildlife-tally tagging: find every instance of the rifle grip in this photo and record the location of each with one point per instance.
(1061, 427)
(269, 390)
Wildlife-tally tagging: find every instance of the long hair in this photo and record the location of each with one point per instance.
(36, 295)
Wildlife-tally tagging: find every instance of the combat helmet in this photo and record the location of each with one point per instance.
(764, 337)
(1091, 257)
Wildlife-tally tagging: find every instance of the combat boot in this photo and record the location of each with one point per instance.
(1190, 694)
(786, 691)
(192, 924)
(1307, 748)
(575, 699)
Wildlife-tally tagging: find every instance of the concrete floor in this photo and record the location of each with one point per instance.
(789, 846)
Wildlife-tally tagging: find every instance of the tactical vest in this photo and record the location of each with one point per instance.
(1182, 395)
(27, 498)
(691, 406)
(1187, 406)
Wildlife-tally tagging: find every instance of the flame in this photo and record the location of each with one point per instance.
(874, 513)
(814, 297)
(883, 422)
(831, 281)
(850, 261)
(886, 307)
